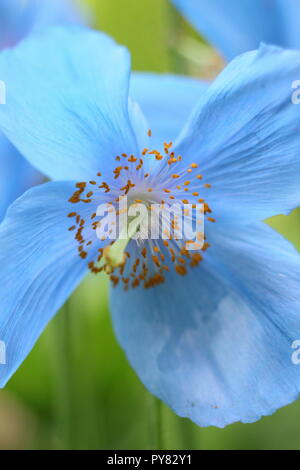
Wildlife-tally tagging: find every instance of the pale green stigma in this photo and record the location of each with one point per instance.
(114, 254)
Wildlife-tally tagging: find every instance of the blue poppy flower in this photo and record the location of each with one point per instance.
(211, 334)
(235, 26)
(17, 19)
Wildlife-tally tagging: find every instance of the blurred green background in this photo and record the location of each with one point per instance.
(76, 389)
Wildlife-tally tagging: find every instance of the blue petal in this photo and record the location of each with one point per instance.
(235, 26)
(167, 101)
(16, 175)
(57, 11)
(290, 10)
(139, 124)
(216, 346)
(67, 101)
(39, 268)
(18, 18)
(245, 136)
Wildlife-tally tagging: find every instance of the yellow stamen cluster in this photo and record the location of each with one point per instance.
(145, 264)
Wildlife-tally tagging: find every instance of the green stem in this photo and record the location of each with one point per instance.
(155, 423)
(64, 396)
(159, 424)
(189, 435)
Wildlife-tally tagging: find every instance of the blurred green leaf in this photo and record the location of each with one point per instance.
(141, 25)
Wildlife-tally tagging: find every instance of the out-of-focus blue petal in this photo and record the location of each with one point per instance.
(236, 26)
(67, 101)
(19, 17)
(290, 11)
(167, 101)
(16, 20)
(39, 268)
(56, 12)
(16, 175)
(216, 345)
(245, 136)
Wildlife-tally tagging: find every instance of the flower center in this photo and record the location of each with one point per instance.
(144, 220)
